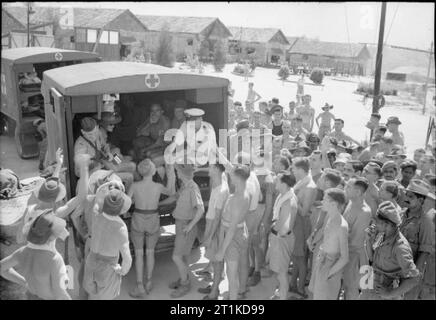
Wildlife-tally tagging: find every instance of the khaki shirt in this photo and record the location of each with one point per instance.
(83, 147)
(393, 260)
(418, 229)
(189, 200)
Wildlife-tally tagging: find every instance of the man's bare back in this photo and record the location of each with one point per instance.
(146, 194)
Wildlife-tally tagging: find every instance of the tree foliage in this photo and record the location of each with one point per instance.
(219, 57)
(165, 52)
(284, 72)
(317, 76)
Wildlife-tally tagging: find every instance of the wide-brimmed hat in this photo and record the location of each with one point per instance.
(106, 189)
(327, 107)
(41, 228)
(397, 153)
(100, 177)
(243, 124)
(276, 107)
(50, 190)
(420, 187)
(116, 202)
(393, 120)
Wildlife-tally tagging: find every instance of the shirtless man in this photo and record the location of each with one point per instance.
(306, 192)
(307, 113)
(252, 219)
(358, 216)
(233, 231)
(372, 172)
(333, 255)
(154, 127)
(252, 96)
(326, 121)
(145, 221)
(339, 135)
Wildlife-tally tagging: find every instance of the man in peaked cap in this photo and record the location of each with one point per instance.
(391, 257)
(198, 135)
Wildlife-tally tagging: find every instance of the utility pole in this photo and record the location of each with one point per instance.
(426, 81)
(29, 12)
(378, 63)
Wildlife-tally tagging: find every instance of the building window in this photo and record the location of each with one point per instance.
(104, 38)
(72, 39)
(305, 57)
(80, 35)
(113, 37)
(190, 42)
(91, 36)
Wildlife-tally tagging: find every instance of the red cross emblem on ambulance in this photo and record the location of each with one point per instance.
(58, 56)
(152, 81)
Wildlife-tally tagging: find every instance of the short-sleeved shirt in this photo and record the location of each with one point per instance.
(418, 229)
(254, 189)
(357, 221)
(217, 200)
(394, 258)
(109, 234)
(187, 203)
(44, 271)
(81, 146)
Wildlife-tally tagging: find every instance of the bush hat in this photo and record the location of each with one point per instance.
(50, 190)
(420, 187)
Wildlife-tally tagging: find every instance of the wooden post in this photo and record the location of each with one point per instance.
(378, 63)
(426, 81)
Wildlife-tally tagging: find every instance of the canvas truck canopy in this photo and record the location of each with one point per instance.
(44, 55)
(123, 77)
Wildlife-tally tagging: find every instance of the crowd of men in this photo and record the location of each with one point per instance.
(329, 219)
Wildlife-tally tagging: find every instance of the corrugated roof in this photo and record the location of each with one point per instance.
(262, 35)
(410, 70)
(176, 24)
(82, 17)
(322, 48)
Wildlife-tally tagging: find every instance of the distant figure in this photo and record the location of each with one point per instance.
(246, 70)
(326, 121)
(300, 85)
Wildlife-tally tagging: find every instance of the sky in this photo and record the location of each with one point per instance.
(407, 24)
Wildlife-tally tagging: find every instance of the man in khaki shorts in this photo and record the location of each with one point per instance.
(145, 221)
(189, 210)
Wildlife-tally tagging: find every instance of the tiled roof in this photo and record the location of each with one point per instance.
(82, 17)
(261, 35)
(322, 48)
(176, 24)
